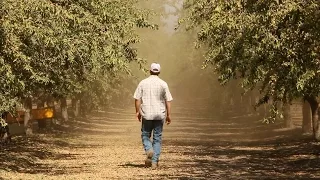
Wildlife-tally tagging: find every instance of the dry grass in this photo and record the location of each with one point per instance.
(197, 145)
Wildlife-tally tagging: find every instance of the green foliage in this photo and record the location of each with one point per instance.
(271, 45)
(63, 47)
(2, 123)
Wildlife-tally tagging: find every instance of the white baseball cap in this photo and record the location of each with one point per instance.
(155, 67)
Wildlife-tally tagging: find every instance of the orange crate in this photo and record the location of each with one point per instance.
(36, 114)
(43, 113)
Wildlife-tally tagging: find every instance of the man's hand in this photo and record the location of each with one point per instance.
(168, 120)
(138, 115)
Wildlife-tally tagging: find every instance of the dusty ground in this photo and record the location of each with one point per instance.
(198, 145)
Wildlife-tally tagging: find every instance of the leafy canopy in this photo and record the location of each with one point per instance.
(272, 45)
(61, 47)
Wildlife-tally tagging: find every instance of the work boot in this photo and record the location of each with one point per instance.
(148, 161)
(154, 166)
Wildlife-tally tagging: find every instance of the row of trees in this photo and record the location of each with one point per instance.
(272, 46)
(58, 49)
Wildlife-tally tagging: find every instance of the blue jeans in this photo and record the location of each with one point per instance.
(147, 127)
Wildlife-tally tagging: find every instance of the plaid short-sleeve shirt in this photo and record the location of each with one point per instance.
(153, 93)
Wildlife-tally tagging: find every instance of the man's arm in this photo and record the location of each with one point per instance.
(168, 98)
(168, 107)
(137, 101)
(137, 104)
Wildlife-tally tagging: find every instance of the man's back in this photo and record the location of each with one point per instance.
(153, 92)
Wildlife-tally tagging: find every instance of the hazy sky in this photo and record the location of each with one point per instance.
(171, 14)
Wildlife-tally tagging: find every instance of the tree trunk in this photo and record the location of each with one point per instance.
(41, 123)
(27, 116)
(306, 119)
(316, 127)
(83, 108)
(249, 105)
(50, 103)
(64, 109)
(315, 118)
(75, 107)
(287, 116)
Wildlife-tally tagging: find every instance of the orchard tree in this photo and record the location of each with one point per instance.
(270, 45)
(59, 48)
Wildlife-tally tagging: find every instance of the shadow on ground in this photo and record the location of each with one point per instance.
(251, 150)
(132, 165)
(24, 154)
(233, 147)
(284, 159)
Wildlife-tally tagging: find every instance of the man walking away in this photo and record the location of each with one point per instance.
(153, 107)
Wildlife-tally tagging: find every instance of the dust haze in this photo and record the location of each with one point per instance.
(196, 91)
(214, 134)
(174, 49)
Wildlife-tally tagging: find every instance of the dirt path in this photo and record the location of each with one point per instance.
(198, 145)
